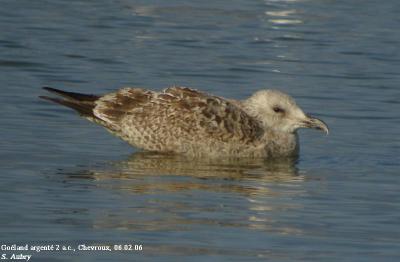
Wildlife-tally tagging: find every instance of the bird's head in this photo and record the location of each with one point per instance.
(278, 111)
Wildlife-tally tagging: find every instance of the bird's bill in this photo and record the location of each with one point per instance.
(315, 123)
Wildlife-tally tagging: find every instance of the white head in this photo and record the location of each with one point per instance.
(278, 111)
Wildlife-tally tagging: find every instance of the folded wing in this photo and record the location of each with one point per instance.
(176, 113)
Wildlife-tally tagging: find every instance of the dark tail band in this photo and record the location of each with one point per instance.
(72, 95)
(82, 103)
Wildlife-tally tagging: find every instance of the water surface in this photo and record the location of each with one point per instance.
(65, 180)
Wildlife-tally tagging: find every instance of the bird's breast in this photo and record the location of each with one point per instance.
(281, 144)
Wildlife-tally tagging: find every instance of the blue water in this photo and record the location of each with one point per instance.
(64, 180)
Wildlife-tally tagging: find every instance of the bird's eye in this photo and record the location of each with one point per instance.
(278, 109)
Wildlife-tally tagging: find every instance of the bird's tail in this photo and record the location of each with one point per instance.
(82, 103)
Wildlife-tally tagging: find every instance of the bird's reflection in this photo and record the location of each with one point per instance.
(171, 172)
(170, 192)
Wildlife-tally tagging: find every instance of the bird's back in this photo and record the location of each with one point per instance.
(178, 120)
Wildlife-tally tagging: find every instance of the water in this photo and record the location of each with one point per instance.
(66, 181)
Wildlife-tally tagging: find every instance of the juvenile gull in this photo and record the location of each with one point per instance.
(187, 121)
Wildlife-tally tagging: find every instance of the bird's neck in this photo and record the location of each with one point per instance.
(275, 142)
(281, 144)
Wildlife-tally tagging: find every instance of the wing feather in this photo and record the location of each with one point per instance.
(176, 113)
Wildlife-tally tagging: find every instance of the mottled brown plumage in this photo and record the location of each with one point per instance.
(187, 121)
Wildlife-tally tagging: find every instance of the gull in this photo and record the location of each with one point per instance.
(194, 123)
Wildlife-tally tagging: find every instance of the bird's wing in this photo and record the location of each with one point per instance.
(178, 111)
(114, 107)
